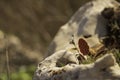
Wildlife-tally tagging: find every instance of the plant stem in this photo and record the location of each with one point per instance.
(7, 60)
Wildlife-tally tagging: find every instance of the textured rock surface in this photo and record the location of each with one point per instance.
(63, 64)
(105, 68)
(86, 21)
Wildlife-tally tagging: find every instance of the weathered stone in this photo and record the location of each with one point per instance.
(86, 21)
(105, 68)
(63, 64)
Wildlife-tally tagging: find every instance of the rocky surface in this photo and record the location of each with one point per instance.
(63, 64)
(87, 21)
(104, 68)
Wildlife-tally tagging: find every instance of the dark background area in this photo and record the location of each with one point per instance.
(36, 22)
(30, 25)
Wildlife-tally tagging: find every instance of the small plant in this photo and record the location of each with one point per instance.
(112, 39)
(110, 42)
(116, 53)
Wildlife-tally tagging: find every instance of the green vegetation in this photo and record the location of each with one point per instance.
(116, 53)
(24, 73)
(89, 60)
(111, 40)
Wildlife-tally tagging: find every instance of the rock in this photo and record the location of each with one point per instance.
(63, 64)
(87, 21)
(105, 68)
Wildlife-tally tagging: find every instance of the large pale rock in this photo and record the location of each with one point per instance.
(86, 21)
(63, 64)
(105, 68)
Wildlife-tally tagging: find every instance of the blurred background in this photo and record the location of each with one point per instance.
(26, 29)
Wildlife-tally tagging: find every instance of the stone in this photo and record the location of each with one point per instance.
(87, 21)
(105, 68)
(63, 63)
